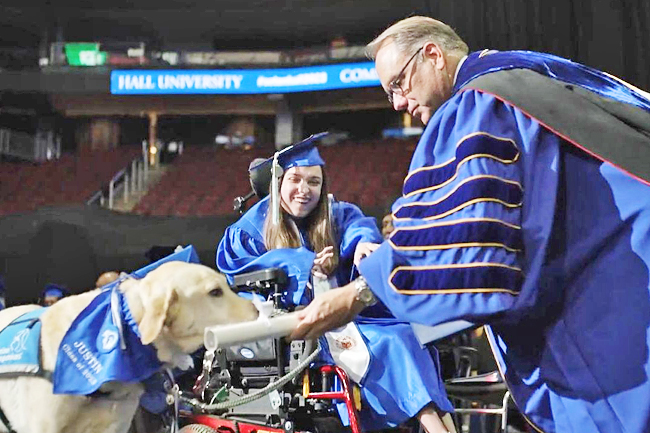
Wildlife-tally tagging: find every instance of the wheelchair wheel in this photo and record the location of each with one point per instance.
(197, 428)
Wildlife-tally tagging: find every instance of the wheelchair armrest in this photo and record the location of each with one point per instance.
(261, 278)
(487, 388)
(490, 378)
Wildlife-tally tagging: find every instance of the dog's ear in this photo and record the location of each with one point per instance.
(156, 303)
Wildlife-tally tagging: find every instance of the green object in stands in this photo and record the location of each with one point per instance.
(84, 54)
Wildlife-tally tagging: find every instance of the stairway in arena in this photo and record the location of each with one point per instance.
(72, 179)
(204, 181)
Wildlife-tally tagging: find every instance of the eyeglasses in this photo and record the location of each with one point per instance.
(395, 86)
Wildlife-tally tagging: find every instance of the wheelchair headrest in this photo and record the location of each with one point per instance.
(260, 181)
(260, 178)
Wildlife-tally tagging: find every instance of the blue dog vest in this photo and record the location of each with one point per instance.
(19, 345)
(103, 343)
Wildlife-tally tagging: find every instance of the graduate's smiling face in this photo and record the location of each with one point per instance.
(301, 190)
(417, 81)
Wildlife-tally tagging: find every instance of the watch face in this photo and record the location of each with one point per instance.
(366, 296)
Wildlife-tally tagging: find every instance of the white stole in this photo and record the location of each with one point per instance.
(347, 347)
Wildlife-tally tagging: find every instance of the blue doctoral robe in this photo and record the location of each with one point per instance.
(503, 221)
(402, 376)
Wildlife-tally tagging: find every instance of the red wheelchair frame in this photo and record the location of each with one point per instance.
(224, 425)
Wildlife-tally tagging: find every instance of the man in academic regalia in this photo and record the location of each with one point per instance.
(526, 207)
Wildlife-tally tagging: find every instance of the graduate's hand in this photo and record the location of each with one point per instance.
(364, 249)
(319, 261)
(327, 311)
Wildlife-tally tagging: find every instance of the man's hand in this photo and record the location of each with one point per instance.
(364, 249)
(327, 311)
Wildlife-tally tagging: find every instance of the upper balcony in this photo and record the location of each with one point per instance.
(137, 55)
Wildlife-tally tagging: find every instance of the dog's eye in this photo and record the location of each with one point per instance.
(216, 292)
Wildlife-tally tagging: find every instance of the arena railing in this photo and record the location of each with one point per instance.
(38, 147)
(126, 182)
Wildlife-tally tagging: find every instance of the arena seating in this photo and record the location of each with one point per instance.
(204, 181)
(369, 174)
(72, 179)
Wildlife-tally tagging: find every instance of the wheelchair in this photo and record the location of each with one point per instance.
(234, 376)
(272, 386)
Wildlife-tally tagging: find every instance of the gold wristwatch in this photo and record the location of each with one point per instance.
(364, 294)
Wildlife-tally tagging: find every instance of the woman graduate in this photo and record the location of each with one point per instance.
(319, 242)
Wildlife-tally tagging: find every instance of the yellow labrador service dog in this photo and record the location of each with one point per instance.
(172, 305)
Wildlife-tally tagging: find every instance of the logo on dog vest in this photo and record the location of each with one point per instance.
(109, 339)
(19, 343)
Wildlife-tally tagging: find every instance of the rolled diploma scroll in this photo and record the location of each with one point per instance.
(237, 333)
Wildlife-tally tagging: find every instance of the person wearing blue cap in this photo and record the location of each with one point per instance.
(52, 294)
(319, 242)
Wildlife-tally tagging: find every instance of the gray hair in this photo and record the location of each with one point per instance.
(412, 33)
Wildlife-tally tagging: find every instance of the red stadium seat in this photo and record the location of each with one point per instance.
(204, 181)
(72, 179)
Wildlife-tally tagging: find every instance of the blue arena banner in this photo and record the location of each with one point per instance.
(242, 81)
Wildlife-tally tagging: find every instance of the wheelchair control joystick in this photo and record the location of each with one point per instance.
(204, 378)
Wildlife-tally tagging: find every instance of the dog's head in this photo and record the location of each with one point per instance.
(178, 300)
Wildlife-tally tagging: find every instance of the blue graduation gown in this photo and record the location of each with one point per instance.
(402, 376)
(504, 222)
